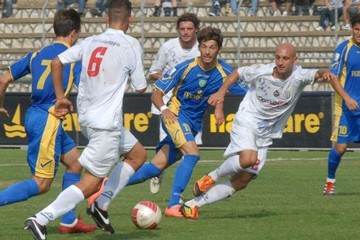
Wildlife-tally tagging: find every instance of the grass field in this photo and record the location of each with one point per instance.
(284, 202)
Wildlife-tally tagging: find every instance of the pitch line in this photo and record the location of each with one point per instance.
(213, 161)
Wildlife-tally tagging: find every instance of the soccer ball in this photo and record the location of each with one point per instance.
(146, 215)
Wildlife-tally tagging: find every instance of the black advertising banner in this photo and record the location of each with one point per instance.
(308, 127)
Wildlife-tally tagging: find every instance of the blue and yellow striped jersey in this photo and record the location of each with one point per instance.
(192, 86)
(346, 66)
(38, 64)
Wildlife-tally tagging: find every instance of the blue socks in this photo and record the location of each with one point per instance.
(19, 192)
(145, 172)
(68, 180)
(333, 163)
(182, 176)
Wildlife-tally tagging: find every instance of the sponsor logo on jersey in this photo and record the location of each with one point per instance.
(202, 83)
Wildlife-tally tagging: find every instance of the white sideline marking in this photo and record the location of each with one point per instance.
(213, 161)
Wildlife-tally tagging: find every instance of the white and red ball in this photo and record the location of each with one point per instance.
(146, 215)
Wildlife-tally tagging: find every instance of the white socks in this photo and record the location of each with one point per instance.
(216, 193)
(229, 167)
(66, 201)
(118, 179)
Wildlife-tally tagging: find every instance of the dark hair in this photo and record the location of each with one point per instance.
(355, 19)
(119, 10)
(188, 17)
(66, 21)
(210, 33)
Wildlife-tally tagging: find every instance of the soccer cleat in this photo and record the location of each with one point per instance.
(95, 12)
(93, 197)
(155, 183)
(174, 211)
(329, 188)
(79, 227)
(100, 217)
(38, 232)
(189, 212)
(202, 185)
(346, 27)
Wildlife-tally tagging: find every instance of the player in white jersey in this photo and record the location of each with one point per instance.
(107, 61)
(170, 54)
(262, 115)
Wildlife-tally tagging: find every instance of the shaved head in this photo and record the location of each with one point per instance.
(287, 47)
(285, 59)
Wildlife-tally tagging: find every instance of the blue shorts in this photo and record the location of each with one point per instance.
(177, 134)
(47, 141)
(346, 129)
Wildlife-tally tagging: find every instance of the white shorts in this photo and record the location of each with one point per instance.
(243, 138)
(104, 149)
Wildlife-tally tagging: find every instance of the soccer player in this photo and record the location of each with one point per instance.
(192, 82)
(274, 90)
(48, 143)
(108, 59)
(170, 54)
(346, 129)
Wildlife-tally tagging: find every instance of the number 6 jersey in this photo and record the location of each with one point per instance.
(108, 59)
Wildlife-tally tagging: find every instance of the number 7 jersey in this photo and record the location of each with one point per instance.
(38, 64)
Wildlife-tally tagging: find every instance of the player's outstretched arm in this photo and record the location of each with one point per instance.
(219, 96)
(335, 83)
(62, 104)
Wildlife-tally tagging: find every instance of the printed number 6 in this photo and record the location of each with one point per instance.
(95, 61)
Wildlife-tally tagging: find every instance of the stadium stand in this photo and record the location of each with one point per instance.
(255, 42)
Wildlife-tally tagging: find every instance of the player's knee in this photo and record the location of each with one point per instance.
(44, 184)
(341, 148)
(136, 157)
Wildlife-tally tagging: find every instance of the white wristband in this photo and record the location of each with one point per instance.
(163, 107)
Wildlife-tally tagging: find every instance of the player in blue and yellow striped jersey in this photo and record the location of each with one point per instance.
(192, 81)
(346, 129)
(48, 143)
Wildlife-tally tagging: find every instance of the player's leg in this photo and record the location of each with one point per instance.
(135, 156)
(70, 223)
(155, 182)
(183, 138)
(119, 177)
(97, 159)
(225, 189)
(340, 137)
(240, 154)
(42, 157)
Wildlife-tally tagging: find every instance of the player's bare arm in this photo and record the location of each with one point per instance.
(62, 104)
(324, 75)
(157, 99)
(155, 76)
(219, 96)
(219, 113)
(5, 80)
(349, 101)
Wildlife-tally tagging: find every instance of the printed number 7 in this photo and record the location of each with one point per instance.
(95, 61)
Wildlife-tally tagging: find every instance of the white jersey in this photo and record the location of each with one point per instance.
(270, 101)
(107, 61)
(169, 55)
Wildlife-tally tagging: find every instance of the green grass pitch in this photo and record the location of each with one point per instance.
(284, 202)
